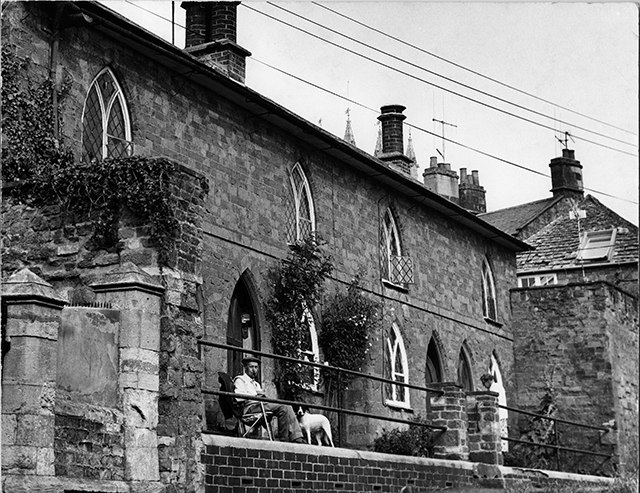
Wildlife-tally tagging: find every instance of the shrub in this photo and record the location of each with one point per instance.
(415, 440)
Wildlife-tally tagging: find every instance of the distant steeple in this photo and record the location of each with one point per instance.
(348, 133)
(378, 149)
(411, 154)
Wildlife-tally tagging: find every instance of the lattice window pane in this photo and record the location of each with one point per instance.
(92, 128)
(107, 87)
(401, 270)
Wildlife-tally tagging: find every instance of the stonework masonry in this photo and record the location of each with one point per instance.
(581, 342)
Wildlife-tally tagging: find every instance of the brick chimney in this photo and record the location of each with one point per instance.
(471, 193)
(391, 118)
(440, 178)
(211, 37)
(566, 176)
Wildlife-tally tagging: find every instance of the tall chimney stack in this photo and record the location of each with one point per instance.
(566, 176)
(472, 194)
(211, 37)
(391, 118)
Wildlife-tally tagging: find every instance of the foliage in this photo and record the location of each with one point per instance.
(47, 173)
(415, 440)
(624, 484)
(348, 320)
(539, 430)
(298, 285)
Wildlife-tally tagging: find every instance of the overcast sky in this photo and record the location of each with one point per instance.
(581, 57)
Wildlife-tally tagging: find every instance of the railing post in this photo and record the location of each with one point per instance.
(557, 443)
(340, 415)
(485, 443)
(450, 410)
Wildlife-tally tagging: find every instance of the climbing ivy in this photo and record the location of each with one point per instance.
(297, 287)
(45, 172)
(348, 322)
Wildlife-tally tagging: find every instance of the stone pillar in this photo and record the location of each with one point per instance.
(450, 410)
(138, 298)
(33, 311)
(485, 444)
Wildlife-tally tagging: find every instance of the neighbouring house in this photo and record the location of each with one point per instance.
(575, 316)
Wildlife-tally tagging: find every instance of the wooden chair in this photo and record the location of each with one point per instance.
(247, 423)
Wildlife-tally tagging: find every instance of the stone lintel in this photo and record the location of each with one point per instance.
(126, 277)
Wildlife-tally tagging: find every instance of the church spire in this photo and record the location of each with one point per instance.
(411, 154)
(348, 133)
(378, 149)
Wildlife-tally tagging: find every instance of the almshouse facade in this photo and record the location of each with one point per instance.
(117, 387)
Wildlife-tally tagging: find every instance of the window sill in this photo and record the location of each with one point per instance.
(495, 323)
(399, 287)
(398, 406)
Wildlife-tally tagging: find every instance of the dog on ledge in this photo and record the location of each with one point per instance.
(314, 425)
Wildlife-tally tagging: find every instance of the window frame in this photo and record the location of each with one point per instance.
(299, 192)
(106, 108)
(589, 237)
(489, 304)
(392, 353)
(538, 280)
(391, 252)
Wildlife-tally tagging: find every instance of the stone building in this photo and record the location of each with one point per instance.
(575, 316)
(116, 388)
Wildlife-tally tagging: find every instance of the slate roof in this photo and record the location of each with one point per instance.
(513, 219)
(556, 245)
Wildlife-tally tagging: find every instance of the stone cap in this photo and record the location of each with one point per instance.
(126, 277)
(26, 287)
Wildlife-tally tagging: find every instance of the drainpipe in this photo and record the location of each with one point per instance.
(53, 65)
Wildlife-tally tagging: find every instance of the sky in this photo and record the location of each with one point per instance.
(566, 67)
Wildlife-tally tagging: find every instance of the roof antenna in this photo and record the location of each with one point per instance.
(443, 139)
(565, 141)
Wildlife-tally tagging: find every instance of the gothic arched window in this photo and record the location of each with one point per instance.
(106, 130)
(464, 371)
(397, 369)
(434, 366)
(489, 305)
(302, 219)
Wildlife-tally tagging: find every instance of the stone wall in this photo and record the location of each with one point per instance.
(578, 344)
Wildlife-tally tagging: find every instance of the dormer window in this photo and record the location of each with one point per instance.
(597, 245)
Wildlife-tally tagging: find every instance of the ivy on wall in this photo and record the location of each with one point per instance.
(297, 287)
(45, 172)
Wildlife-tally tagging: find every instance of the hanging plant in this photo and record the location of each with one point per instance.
(297, 287)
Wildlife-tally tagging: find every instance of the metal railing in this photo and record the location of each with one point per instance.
(556, 437)
(340, 411)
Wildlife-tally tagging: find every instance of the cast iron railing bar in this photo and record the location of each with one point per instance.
(559, 420)
(324, 408)
(320, 365)
(568, 449)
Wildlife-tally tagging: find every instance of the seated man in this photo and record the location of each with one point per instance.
(288, 426)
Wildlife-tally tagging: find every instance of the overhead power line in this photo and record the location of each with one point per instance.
(413, 126)
(420, 129)
(430, 83)
(471, 70)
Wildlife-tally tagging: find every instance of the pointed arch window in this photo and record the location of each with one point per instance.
(464, 371)
(434, 366)
(498, 386)
(489, 304)
(106, 129)
(397, 369)
(302, 219)
(309, 350)
(243, 330)
(396, 268)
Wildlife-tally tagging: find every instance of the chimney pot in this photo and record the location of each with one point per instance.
(433, 162)
(463, 175)
(475, 179)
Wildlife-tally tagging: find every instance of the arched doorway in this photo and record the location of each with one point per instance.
(243, 328)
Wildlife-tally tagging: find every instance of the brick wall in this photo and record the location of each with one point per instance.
(580, 340)
(239, 466)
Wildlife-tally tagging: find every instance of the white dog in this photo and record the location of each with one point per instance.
(315, 425)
